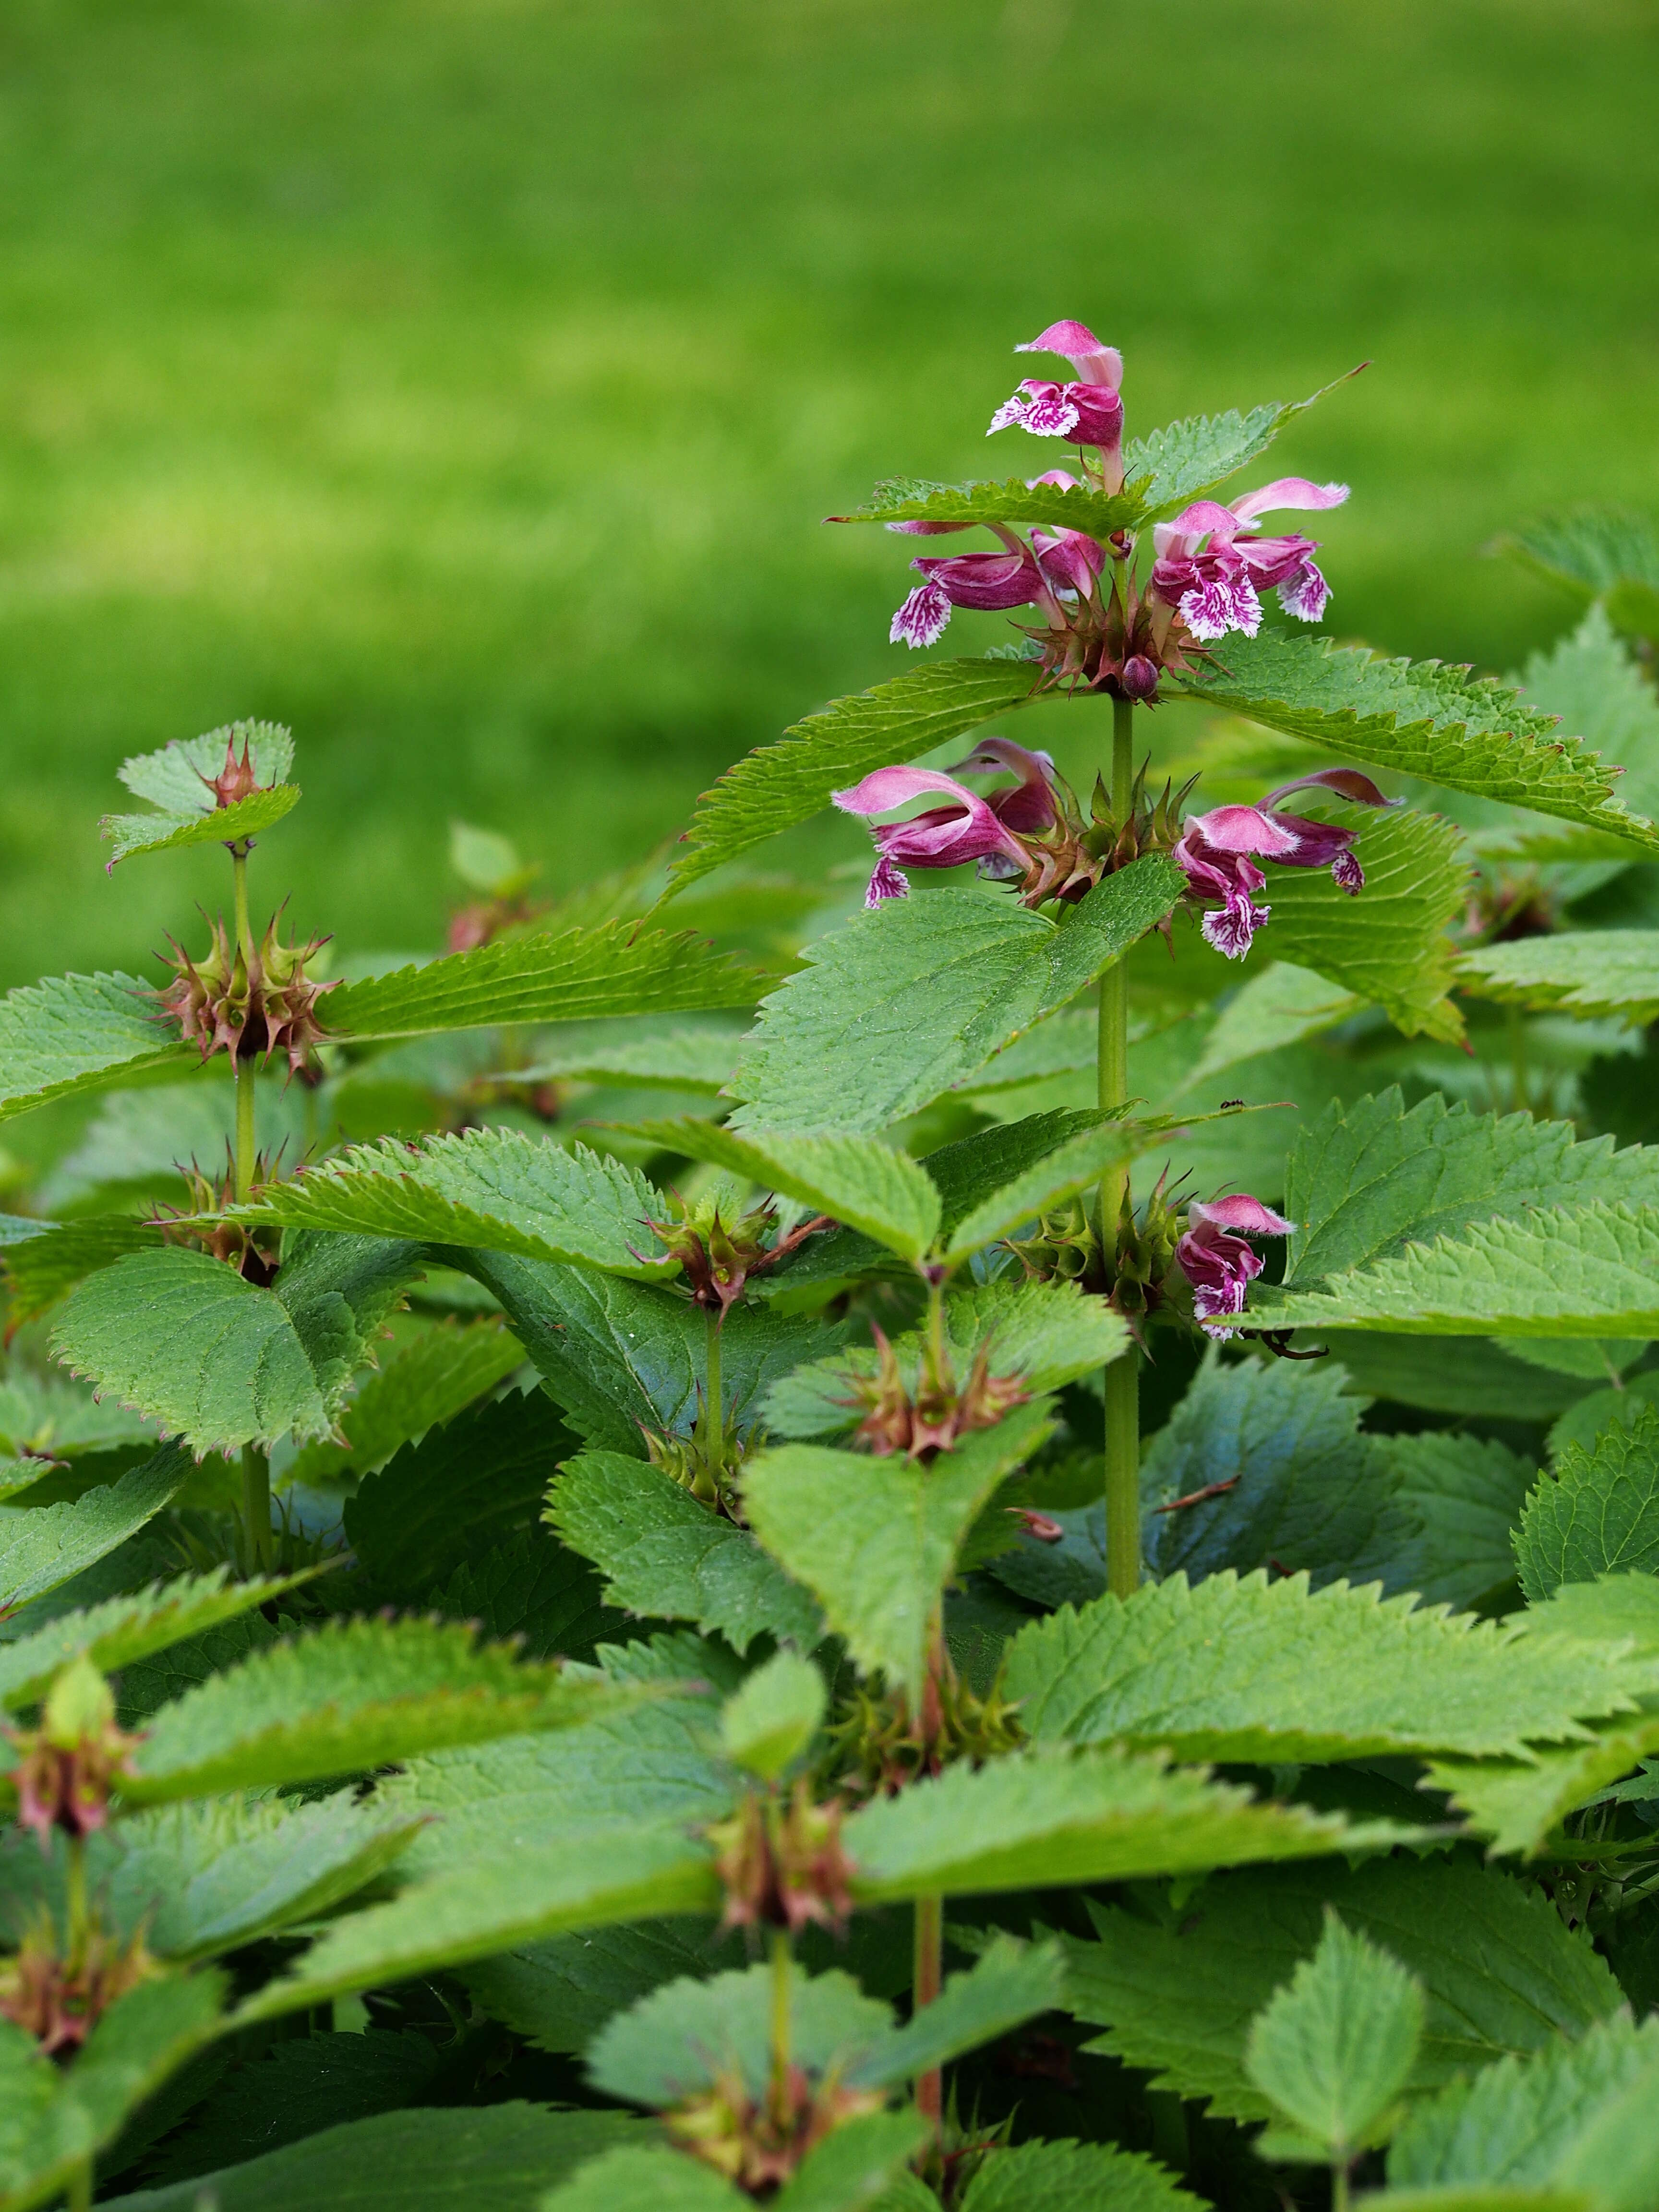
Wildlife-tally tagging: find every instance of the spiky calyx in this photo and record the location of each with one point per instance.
(707, 1462)
(717, 1261)
(67, 1768)
(237, 780)
(1064, 1247)
(780, 1863)
(940, 1410)
(757, 2143)
(60, 2001)
(879, 1746)
(1135, 1274)
(201, 1223)
(1068, 859)
(249, 1007)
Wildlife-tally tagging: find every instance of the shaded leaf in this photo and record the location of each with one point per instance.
(1074, 2177)
(427, 1380)
(1587, 972)
(682, 2038)
(122, 1629)
(1332, 2049)
(43, 1546)
(1597, 1514)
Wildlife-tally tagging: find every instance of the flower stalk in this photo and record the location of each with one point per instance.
(1121, 1379)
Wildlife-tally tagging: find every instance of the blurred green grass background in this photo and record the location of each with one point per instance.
(463, 382)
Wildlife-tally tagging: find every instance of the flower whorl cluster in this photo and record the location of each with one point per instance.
(1098, 625)
(248, 1007)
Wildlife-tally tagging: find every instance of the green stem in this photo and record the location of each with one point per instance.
(711, 1375)
(1339, 2185)
(244, 1068)
(924, 1987)
(1121, 1379)
(1518, 1028)
(79, 2196)
(243, 927)
(76, 1900)
(255, 1509)
(782, 1974)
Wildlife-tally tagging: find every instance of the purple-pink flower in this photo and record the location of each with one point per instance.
(1211, 567)
(968, 828)
(1088, 409)
(1030, 806)
(1217, 852)
(994, 580)
(1215, 1259)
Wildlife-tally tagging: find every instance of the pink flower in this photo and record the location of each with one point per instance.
(1030, 806)
(1088, 409)
(1215, 1259)
(1211, 567)
(969, 828)
(1217, 852)
(994, 580)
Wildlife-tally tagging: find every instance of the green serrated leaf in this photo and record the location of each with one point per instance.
(683, 2037)
(358, 1694)
(1597, 1514)
(419, 2161)
(876, 1540)
(1600, 551)
(657, 2179)
(1247, 1669)
(1587, 972)
(1281, 1006)
(767, 1724)
(1501, 1972)
(616, 968)
(558, 1993)
(186, 1340)
(43, 1546)
(164, 833)
(1527, 2120)
(428, 1380)
(1049, 1333)
(778, 785)
(176, 778)
(1422, 717)
(1074, 2177)
(1387, 944)
(1186, 459)
(75, 1033)
(122, 1628)
(900, 1003)
(666, 1554)
(1056, 507)
(500, 1190)
(43, 1269)
(605, 1052)
(463, 1486)
(1065, 1172)
(139, 1142)
(1332, 2049)
(863, 1184)
(1047, 1816)
(1008, 1983)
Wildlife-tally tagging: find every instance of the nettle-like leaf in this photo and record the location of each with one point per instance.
(1066, 1171)
(77, 1033)
(1466, 1494)
(1599, 550)
(616, 968)
(1589, 1273)
(178, 780)
(1332, 2049)
(55, 2120)
(1421, 718)
(559, 1992)
(122, 1628)
(1056, 507)
(864, 1184)
(857, 2165)
(1597, 1514)
(186, 1340)
(1388, 944)
(1074, 2177)
(497, 1190)
(678, 1058)
(43, 1546)
(1600, 689)
(421, 2160)
(1008, 1983)
(1247, 1669)
(139, 1141)
(42, 1268)
(1575, 2113)
(1185, 460)
(462, 1487)
(199, 1880)
(876, 1540)
(426, 1381)
(780, 785)
(666, 1555)
(1500, 1970)
(1047, 1333)
(900, 1003)
(1587, 972)
(360, 1694)
(773, 1715)
(1282, 1005)
(1049, 1816)
(620, 1356)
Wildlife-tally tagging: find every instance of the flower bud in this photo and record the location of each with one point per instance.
(1139, 678)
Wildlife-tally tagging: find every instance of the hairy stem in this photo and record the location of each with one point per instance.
(711, 1374)
(255, 1509)
(75, 1886)
(1122, 1379)
(924, 1987)
(244, 1068)
(782, 1969)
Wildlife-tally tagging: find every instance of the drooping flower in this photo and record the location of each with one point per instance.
(1211, 567)
(1217, 853)
(1088, 409)
(1030, 804)
(1215, 1259)
(968, 828)
(994, 581)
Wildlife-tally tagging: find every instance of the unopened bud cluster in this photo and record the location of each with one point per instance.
(248, 1005)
